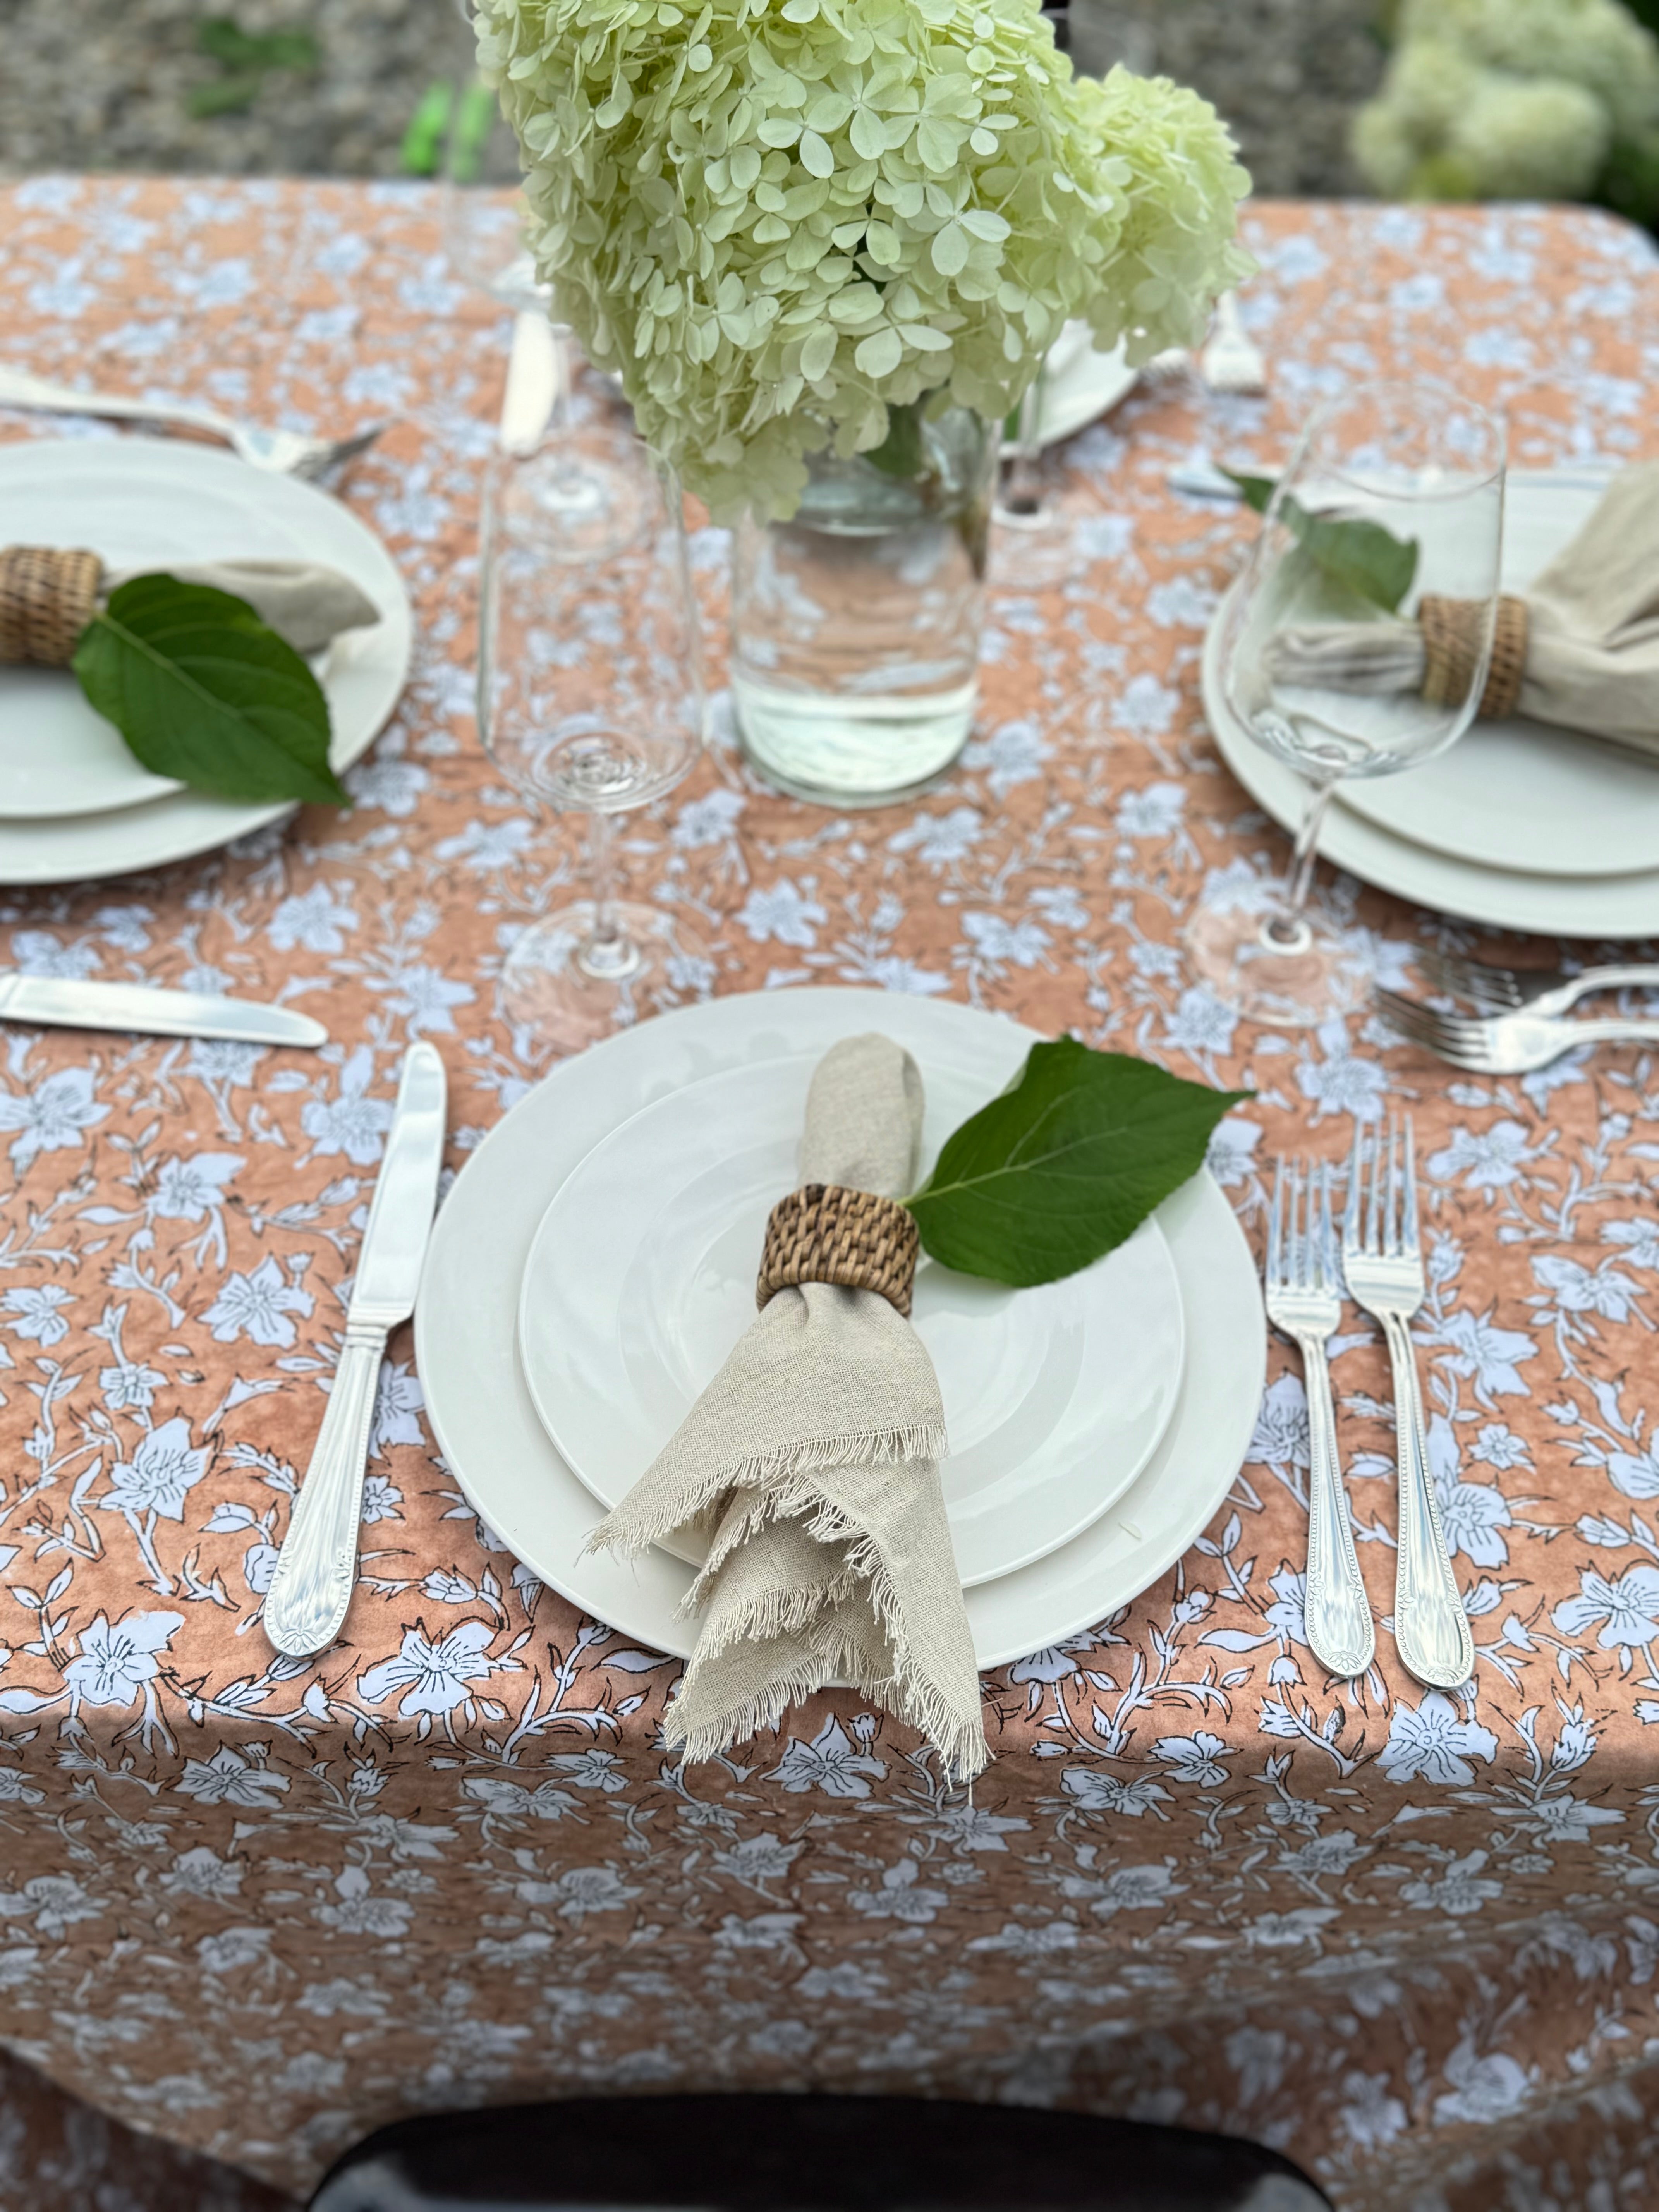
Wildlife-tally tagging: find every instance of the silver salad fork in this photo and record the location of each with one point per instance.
(1304, 1301)
(1383, 1263)
(1493, 990)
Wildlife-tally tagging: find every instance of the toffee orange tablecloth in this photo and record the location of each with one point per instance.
(261, 1907)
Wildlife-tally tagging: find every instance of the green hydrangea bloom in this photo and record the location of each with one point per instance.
(1508, 98)
(777, 218)
(1531, 139)
(1596, 44)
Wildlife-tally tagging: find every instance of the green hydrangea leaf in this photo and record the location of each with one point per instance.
(1065, 1165)
(202, 690)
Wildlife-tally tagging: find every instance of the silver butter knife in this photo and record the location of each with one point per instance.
(72, 1002)
(317, 1567)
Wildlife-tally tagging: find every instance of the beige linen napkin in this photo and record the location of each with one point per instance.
(812, 1463)
(1592, 631)
(303, 602)
(49, 595)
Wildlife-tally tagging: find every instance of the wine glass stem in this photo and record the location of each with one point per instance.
(610, 954)
(1287, 927)
(557, 433)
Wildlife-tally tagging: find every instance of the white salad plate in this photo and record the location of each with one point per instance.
(642, 1278)
(517, 1481)
(74, 802)
(1517, 826)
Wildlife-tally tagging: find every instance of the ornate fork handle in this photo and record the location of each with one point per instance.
(1335, 1608)
(1605, 1029)
(1430, 1628)
(1614, 975)
(316, 1571)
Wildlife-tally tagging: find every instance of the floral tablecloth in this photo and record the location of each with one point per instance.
(260, 1906)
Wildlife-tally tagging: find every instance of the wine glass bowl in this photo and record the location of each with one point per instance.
(1356, 643)
(591, 701)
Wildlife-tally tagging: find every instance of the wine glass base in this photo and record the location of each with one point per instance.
(547, 990)
(1288, 983)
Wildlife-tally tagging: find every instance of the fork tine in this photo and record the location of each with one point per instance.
(1374, 1194)
(1351, 1211)
(1296, 1248)
(1391, 1226)
(1491, 987)
(1412, 1016)
(1419, 1024)
(1325, 1257)
(1408, 1229)
(1276, 1233)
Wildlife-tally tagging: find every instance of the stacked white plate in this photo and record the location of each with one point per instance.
(595, 1262)
(74, 802)
(1518, 826)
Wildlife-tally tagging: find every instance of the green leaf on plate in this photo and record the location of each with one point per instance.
(1065, 1165)
(202, 691)
(1361, 555)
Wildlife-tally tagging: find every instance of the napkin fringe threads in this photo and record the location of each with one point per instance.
(785, 1613)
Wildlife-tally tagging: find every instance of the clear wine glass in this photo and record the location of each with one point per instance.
(483, 218)
(1394, 496)
(591, 699)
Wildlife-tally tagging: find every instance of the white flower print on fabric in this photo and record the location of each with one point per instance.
(259, 1305)
(53, 1117)
(36, 1312)
(351, 1122)
(434, 1677)
(784, 915)
(117, 1660)
(163, 1471)
(830, 1763)
(1433, 1743)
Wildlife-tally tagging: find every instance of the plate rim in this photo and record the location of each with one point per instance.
(1499, 898)
(202, 823)
(1226, 1283)
(1112, 1496)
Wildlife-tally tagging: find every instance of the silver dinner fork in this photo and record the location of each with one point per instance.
(1505, 1045)
(284, 452)
(1304, 1300)
(1493, 990)
(1383, 1263)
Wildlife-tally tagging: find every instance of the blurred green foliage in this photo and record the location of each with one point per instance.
(245, 57)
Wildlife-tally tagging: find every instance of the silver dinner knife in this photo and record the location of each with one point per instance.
(73, 1002)
(317, 1567)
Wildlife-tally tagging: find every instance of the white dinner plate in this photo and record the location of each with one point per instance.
(1601, 907)
(485, 1422)
(73, 801)
(1517, 794)
(642, 1278)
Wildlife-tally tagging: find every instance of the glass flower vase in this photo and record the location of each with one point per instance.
(856, 624)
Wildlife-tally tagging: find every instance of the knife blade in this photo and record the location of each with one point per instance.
(77, 1003)
(316, 1571)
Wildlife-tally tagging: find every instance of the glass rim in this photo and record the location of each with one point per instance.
(1326, 412)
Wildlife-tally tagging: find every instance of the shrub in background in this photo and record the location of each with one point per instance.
(1543, 100)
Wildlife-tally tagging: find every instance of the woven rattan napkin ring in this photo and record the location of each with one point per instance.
(1451, 646)
(47, 597)
(822, 1233)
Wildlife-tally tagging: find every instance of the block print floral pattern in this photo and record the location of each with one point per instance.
(1411, 1938)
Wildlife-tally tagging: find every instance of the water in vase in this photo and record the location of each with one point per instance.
(856, 624)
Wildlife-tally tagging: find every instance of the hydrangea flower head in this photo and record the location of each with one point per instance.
(777, 218)
(1508, 98)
